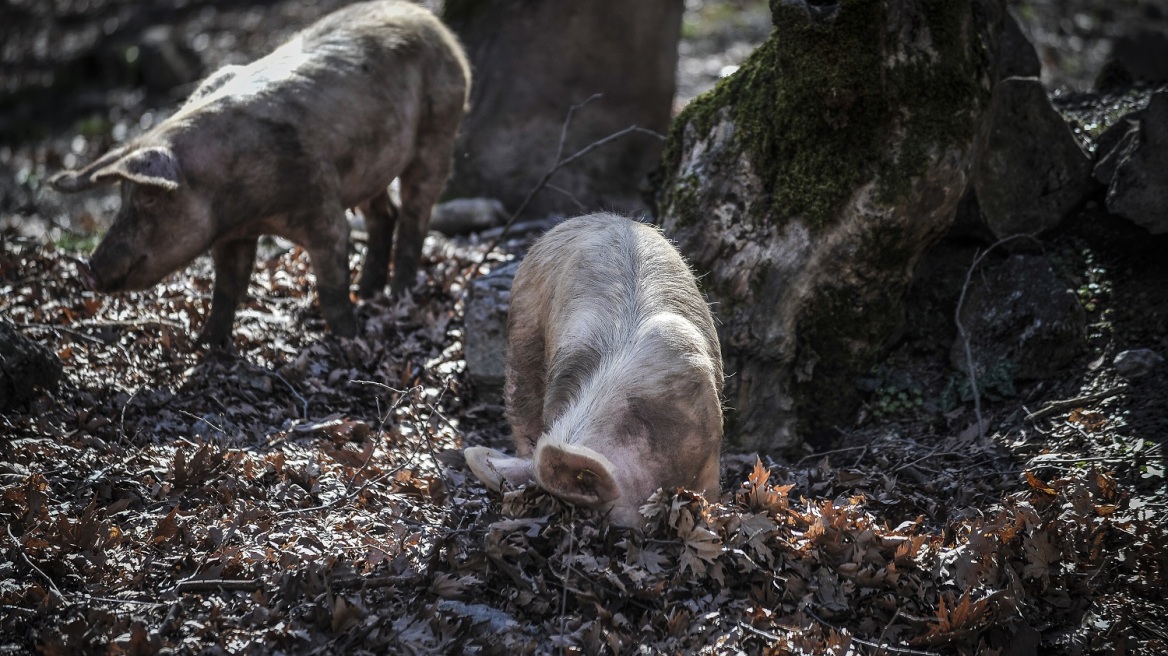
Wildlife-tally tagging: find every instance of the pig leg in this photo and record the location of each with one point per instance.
(526, 382)
(233, 264)
(421, 183)
(380, 217)
(328, 248)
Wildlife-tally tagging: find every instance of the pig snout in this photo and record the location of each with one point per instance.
(88, 279)
(108, 269)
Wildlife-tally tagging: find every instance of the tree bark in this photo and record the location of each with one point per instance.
(535, 59)
(808, 184)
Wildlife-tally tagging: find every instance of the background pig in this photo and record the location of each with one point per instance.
(282, 146)
(614, 373)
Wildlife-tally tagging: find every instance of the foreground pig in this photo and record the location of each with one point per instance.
(614, 373)
(283, 146)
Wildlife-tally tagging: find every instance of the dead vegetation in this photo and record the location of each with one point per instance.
(305, 495)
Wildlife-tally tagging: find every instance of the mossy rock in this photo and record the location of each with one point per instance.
(808, 183)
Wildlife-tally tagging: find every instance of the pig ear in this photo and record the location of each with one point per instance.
(157, 167)
(493, 467)
(577, 474)
(70, 181)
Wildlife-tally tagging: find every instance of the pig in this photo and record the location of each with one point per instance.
(371, 92)
(614, 373)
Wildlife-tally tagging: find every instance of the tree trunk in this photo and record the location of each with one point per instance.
(532, 61)
(808, 184)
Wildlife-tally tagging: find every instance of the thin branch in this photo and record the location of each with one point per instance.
(963, 333)
(560, 162)
(827, 453)
(303, 401)
(350, 491)
(868, 643)
(20, 549)
(1057, 406)
(363, 582)
(217, 585)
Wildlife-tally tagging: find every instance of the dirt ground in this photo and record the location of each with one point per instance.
(306, 494)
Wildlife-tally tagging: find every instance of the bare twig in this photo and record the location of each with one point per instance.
(197, 418)
(570, 196)
(888, 626)
(567, 573)
(350, 491)
(963, 333)
(560, 162)
(20, 549)
(759, 632)
(1057, 406)
(303, 401)
(216, 585)
(48, 326)
(827, 453)
(363, 582)
(868, 643)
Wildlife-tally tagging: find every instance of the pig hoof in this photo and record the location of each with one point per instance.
(216, 343)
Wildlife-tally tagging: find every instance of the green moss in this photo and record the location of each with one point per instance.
(817, 106)
(843, 328)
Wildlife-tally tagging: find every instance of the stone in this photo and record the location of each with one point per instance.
(1138, 57)
(1016, 55)
(485, 331)
(806, 185)
(536, 62)
(26, 368)
(1136, 167)
(155, 58)
(1135, 363)
(1020, 317)
(1029, 172)
(463, 215)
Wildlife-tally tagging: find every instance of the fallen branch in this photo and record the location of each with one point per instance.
(20, 549)
(216, 585)
(827, 453)
(868, 643)
(1058, 406)
(364, 582)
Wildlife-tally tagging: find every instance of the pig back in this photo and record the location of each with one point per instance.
(360, 89)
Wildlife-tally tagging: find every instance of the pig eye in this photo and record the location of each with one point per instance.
(147, 200)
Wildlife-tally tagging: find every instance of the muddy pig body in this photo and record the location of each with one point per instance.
(372, 92)
(614, 373)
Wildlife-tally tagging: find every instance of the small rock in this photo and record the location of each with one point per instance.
(1135, 168)
(1135, 363)
(486, 331)
(1021, 312)
(464, 215)
(1016, 55)
(1029, 171)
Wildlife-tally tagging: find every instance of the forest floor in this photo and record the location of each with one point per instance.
(306, 494)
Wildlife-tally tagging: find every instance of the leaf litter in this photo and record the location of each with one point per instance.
(306, 495)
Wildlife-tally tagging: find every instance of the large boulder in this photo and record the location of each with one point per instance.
(1021, 320)
(534, 61)
(1133, 162)
(1030, 172)
(807, 184)
(485, 341)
